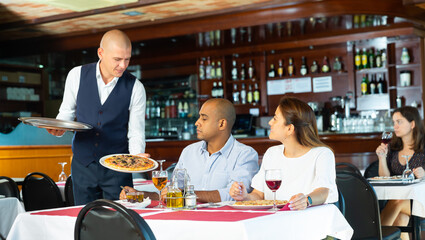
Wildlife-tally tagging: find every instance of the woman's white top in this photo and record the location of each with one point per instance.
(315, 169)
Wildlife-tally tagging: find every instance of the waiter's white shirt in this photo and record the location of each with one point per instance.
(136, 123)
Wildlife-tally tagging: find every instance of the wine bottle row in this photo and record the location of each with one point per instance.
(246, 96)
(170, 108)
(373, 86)
(290, 70)
(209, 69)
(370, 58)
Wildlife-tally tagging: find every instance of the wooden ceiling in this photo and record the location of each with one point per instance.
(55, 24)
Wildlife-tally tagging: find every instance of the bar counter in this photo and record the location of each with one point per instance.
(18, 161)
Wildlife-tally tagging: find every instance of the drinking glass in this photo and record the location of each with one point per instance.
(273, 181)
(62, 175)
(160, 164)
(407, 175)
(386, 137)
(159, 179)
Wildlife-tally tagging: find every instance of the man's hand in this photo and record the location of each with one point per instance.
(55, 132)
(127, 189)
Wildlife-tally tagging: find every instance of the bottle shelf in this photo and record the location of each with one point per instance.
(409, 65)
(372, 70)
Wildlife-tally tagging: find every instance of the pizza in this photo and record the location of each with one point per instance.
(260, 203)
(129, 162)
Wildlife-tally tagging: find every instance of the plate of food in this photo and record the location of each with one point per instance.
(128, 163)
(258, 204)
(53, 123)
(135, 205)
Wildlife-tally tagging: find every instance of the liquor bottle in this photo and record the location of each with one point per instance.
(371, 58)
(235, 94)
(153, 109)
(249, 94)
(325, 65)
(208, 69)
(185, 109)
(218, 37)
(270, 30)
(234, 71)
(212, 41)
(279, 29)
(162, 115)
(214, 90)
(303, 68)
(242, 34)
(243, 94)
(372, 85)
(381, 85)
(148, 109)
(280, 68)
(384, 57)
(314, 68)
(363, 20)
(242, 72)
(218, 71)
(233, 35)
(365, 63)
(337, 65)
(250, 70)
(173, 109)
(289, 28)
(167, 108)
(256, 95)
(201, 70)
(220, 91)
(190, 197)
(358, 60)
(213, 76)
(364, 85)
(291, 68)
(356, 21)
(180, 109)
(378, 59)
(405, 58)
(157, 109)
(249, 33)
(207, 39)
(272, 72)
(200, 40)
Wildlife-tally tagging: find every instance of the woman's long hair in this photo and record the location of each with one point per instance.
(299, 114)
(418, 134)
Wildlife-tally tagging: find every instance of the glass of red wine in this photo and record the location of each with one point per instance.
(386, 137)
(273, 180)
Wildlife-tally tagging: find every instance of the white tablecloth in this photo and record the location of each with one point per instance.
(9, 209)
(415, 192)
(313, 223)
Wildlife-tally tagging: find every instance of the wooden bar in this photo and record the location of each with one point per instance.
(18, 161)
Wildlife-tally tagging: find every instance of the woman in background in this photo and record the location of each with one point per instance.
(408, 140)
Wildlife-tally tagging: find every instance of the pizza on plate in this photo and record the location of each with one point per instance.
(260, 203)
(129, 162)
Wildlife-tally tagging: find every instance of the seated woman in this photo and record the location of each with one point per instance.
(307, 165)
(408, 139)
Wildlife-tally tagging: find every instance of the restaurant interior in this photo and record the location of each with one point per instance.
(353, 62)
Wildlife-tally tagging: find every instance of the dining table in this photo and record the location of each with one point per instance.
(413, 191)
(10, 207)
(224, 222)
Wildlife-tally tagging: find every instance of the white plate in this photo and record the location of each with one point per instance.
(102, 162)
(385, 179)
(248, 207)
(146, 202)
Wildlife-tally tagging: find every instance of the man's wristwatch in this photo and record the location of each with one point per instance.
(309, 201)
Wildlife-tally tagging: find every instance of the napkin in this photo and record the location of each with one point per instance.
(285, 208)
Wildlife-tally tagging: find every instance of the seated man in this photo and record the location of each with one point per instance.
(218, 160)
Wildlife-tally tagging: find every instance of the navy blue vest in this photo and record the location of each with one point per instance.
(109, 121)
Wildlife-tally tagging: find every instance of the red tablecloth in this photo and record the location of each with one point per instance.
(220, 216)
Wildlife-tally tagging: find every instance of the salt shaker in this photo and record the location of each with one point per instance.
(190, 197)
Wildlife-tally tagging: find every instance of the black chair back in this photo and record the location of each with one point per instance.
(345, 166)
(9, 188)
(361, 207)
(95, 221)
(39, 192)
(69, 192)
(372, 170)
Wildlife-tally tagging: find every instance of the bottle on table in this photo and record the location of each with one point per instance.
(174, 195)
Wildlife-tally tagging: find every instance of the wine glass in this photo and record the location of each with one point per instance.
(273, 181)
(407, 175)
(159, 179)
(386, 137)
(62, 175)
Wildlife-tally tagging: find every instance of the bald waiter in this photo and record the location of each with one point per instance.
(113, 101)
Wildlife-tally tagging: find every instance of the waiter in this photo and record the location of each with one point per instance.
(113, 101)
